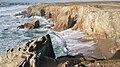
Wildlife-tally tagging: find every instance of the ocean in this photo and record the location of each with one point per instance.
(64, 42)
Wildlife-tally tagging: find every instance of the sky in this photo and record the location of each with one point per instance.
(51, 0)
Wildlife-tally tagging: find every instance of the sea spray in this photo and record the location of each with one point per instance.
(74, 44)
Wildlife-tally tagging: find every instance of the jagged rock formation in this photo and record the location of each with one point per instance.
(33, 53)
(31, 25)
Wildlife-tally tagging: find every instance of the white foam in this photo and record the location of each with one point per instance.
(74, 45)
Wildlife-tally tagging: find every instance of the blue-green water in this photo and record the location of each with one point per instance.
(11, 36)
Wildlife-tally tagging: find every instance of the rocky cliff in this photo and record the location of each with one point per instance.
(97, 20)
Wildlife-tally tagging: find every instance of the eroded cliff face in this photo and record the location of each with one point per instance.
(97, 20)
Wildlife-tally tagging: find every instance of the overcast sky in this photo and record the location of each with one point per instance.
(50, 0)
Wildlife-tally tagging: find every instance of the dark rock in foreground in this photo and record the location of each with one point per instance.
(32, 25)
(34, 53)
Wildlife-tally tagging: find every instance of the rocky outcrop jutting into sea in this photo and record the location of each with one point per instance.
(32, 25)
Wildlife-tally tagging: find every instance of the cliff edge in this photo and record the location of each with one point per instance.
(97, 20)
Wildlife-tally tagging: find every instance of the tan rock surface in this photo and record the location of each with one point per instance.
(31, 25)
(97, 20)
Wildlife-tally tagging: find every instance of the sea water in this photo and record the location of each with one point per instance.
(64, 42)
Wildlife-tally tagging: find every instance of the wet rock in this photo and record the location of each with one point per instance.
(32, 25)
(6, 29)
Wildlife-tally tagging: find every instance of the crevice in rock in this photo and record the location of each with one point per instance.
(71, 22)
(42, 12)
(50, 15)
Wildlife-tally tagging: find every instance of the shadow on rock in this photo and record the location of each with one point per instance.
(116, 55)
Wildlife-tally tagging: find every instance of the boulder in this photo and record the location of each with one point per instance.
(32, 25)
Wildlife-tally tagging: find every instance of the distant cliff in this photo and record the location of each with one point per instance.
(97, 20)
(9, 4)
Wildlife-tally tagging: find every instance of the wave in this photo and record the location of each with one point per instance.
(74, 44)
